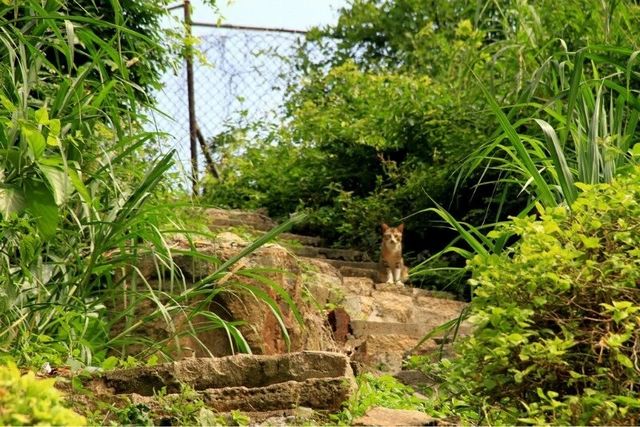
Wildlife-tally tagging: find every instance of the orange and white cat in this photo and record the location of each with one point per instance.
(391, 267)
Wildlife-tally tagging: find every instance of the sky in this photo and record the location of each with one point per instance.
(290, 14)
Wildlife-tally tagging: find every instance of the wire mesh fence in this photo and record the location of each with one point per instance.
(243, 80)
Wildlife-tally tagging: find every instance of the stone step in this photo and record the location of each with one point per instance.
(314, 379)
(363, 328)
(257, 220)
(378, 416)
(331, 253)
(358, 285)
(359, 272)
(385, 352)
(229, 371)
(363, 265)
(303, 239)
(290, 238)
(226, 223)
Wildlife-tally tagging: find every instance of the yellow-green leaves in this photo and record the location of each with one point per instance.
(26, 400)
(559, 311)
(53, 125)
(35, 141)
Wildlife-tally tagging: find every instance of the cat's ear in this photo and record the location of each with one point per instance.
(385, 227)
(400, 228)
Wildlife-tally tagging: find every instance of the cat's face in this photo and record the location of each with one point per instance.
(392, 236)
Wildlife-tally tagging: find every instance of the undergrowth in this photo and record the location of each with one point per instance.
(556, 317)
(378, 391)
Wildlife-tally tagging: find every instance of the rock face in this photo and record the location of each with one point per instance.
(394, 417)
(292, 278)
(318, 380)
(271, 271)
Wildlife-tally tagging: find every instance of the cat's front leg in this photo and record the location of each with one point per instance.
(390, 276)
(397, 276)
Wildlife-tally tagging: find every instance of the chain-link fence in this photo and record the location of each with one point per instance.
(242, 81)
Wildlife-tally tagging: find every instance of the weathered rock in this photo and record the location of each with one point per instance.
(263, 332)
(395, 417)
(229, 217)
(318, 380)
(366, 265)
(363, 328)
(302, 239)
(385, 352)
(241, 370)
(413, 378)
(359, 307)
(239, 298)
(299, 415)
(322, 281)
(393, 307)
(331, 253)
(340, 324)
(350, 271)
(358, 285)
(317, 393)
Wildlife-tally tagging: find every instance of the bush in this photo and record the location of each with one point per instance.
(25, 400)
(557, 315)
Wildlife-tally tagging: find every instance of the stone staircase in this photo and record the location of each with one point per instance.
(350, 322)
(385, 321)
(293, 388)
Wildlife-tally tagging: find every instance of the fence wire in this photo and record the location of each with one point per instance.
(242, 81)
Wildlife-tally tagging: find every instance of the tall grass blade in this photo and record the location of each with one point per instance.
(562, 171)
(542, 188)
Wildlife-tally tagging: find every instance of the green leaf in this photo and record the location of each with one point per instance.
(616, 340)
(559, 162)
(42, 116)
(35, 140)
(54, 127)
(6, 103)
(11, 201)
(59, 181)
(624, 360)
(543, 190)
(590, 242)
(109, 363)
(78, 184)
(71, 40)
(41, 205)
(53, 141)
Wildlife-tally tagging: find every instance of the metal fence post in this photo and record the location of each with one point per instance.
(193, 125)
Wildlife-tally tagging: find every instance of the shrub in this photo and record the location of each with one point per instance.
(557, 315)
(25, 400)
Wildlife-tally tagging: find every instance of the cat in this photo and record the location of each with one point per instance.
(391, 267)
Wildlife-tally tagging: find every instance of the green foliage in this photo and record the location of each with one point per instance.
(380, 125)
(597, 119)
(384, 391)
(26, 400)
(556, 317)
(82, 192)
